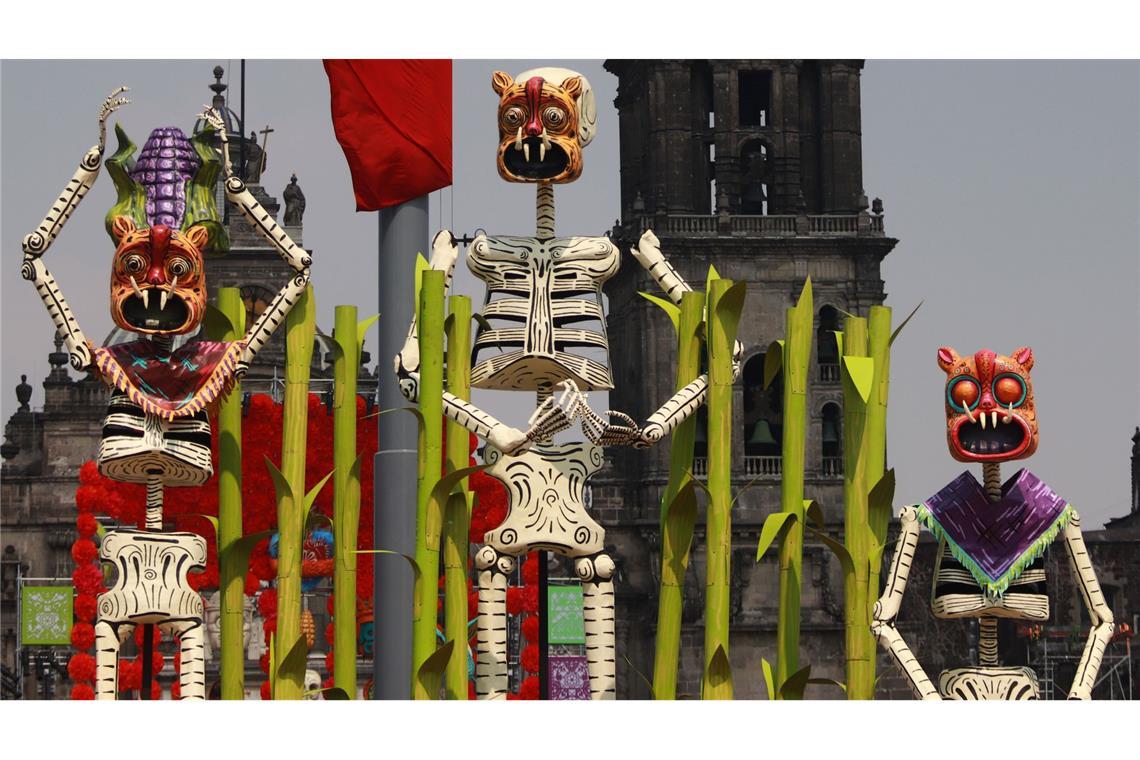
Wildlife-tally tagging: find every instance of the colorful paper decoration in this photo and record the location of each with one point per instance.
(566, 625)
(569, 675)
(45, 615)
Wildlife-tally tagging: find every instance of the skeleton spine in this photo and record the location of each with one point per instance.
(544, 211)
(987, 626)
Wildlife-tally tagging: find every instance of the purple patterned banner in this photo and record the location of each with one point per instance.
(569, 677)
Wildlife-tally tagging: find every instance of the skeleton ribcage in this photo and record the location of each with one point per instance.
(957, 594)
(544, 305)
(136, 444)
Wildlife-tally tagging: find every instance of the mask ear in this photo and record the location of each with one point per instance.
(1024, 357)
(198, 236)
(947, 358)
(573, 87)
(500, 81)
(121, 227)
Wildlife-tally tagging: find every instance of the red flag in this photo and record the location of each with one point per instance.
(392, 118)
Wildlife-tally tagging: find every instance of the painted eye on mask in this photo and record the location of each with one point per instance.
(1009, 390)
(178, 266)
(963, 393)
(554, 117)
(513, 117)
(134, 264)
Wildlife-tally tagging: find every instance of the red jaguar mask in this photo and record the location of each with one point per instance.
(158, 282)
(990, 413)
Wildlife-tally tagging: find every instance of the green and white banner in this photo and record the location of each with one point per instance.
(565, 608)
(46, 613)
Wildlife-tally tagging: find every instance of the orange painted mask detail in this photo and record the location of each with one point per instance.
(539, 138)
(990, 410)
(158, 281)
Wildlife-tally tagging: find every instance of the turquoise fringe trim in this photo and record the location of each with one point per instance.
(997, 586)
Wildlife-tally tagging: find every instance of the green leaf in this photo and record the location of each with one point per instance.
(769, 679)
(294, 663)
(330, 694)
(671, 309)
(880, 504)
(711, 275)
(718, 676)
(861, 370)
(793, 686)
(417, 576)
(422, 265)
(430, 674)
(828, 682)
(679, 520)
(216, 324)
(243, 547)
(213, 521)
(272, 663)
(775, 526)
(838, 549)
(814, 513)
(731, 304)
(438, 500)
(838, 340)
(740, 491)
(902, 324)
(773, 361)
(805, 294)
(311, 497)
(281, 485)
(642, 676)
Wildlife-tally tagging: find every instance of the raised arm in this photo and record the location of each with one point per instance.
(37, 243)
(887, 608)
(293, 255)
(1099, 612)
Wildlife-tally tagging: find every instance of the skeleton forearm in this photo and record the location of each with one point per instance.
(682, 405)
(66, 325)
(295, 256)
(648, 254)
(893, 642)
(471, 417)
(274, 314)
(1098, 608)
(444, 252)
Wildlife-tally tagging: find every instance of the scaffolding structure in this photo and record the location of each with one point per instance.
(1055, 654)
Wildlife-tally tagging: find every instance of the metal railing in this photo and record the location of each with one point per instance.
(784, 225)
(829, 373)
(832, 467)
(763, 466)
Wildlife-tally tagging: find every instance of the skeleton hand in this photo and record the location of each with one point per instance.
(555, 416)
(625, 432)
(110, 105)
(214, 119)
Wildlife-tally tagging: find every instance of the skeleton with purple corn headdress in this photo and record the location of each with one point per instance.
(157, 430)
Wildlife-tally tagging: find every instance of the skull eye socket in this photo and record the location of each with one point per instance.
(178, 266)
(554, 117)
(963, 393)
(134, 263)
(513, 117)
(1009, 389)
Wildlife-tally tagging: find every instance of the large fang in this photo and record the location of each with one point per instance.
(138, 292)
(983, 418)
(518, 139)
(1009, 416)
(993, 420)
(545, 138)
(173, 284)
(970, 415)
(542, 152)
(526, 152)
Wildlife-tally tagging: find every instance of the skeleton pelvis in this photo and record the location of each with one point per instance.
(979, 683)
(546, 506)
(152, 570)
(519, 370)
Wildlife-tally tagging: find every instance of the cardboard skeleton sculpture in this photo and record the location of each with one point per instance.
(991, 537)
(543, 296)
(157, 431)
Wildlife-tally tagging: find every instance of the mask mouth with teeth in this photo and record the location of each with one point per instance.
(158, 284)
(990, 411)
(546, 118)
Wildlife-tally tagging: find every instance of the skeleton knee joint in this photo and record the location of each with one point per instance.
(599, 567)
(488, 558)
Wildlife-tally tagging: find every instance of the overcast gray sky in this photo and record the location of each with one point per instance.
(1014, 188)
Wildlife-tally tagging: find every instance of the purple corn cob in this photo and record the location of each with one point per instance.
(166, 164)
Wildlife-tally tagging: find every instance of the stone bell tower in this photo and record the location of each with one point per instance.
(754, 166)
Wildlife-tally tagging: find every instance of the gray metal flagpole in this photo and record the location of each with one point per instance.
(403, 233)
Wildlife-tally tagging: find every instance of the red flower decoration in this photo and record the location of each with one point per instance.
(88, 580)
(86, 524)
(82, 635)
(329, 662)
(85, 607)
(82, 691)
(89, 473)
(266, 691)
(81, 667)
(530, 628)
(529, 689)
(514, 601)
(530, 570)
(88, 498)
(155, 690)
(530, 599)
(529, 658)
(252, 584)
(176, 690)
(84, 551)
(270, 627)
(330, 631)
(263, 663)
(130, 675)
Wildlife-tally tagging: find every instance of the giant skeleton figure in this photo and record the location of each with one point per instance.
(991, 537)
(157, 430)
(544, 292)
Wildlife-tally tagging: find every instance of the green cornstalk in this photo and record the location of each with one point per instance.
(860, 645)
(300, 328)
(797, 353)
(346, 498)
(875, 441)
(677, 523)
(723, 299)
(457, 518)
(429, 520)
(231, 572)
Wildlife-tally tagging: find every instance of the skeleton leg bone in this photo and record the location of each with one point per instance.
(596, 574)
(106, 660)
(192, 643)
(491, 635)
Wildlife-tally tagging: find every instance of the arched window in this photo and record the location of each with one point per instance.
(828, 351)
(832, 440)
(754, 177)
(763, 410)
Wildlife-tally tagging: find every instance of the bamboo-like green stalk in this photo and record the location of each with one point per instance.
(457, 518)
(300, 329)
(797, 354)
(723, 299)
(346, 498)
(676, 522)
(429, 524)
(231, 572)
(860, 645)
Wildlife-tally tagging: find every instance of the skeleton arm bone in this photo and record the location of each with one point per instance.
(36, 243)
(444, 252)
(887, 607)
(1099, 611)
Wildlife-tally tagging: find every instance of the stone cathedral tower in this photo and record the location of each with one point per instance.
(755, 166)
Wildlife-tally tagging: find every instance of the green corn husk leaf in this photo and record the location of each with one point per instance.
(293, 663)
(680, 519)
(773, 361)
(828, 682)
(861, 370)
(417, 576)
(902, 324)
(131, 197)
(213, 521)
(311, 497)
(838, 549)
(769, 679)
(718, 677)
(216, 323)
(362, 327)
(793, 687)
(775, 526)
(243, 547)
(711, 275)
(672, 310)
(814, 513)
(838, 340)
(438, 500)
(422, 265)
(730, 306)
(201, 202)
(430, 674)
(880, 504)
(272, 663)
(330, 694)
(642, 676)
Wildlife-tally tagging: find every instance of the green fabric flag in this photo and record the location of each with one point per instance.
(565, 608)
(46, 613)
